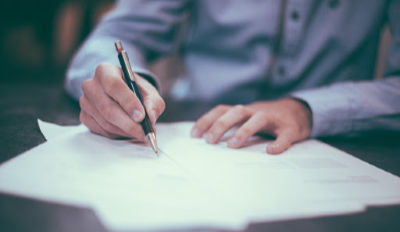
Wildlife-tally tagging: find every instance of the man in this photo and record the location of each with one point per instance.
(292, 68)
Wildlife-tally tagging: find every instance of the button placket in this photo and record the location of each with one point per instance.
(294, 15)
(282, 71)
(294, 23)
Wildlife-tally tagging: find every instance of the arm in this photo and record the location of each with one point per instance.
(337, 109)
(354, 107)
(146, 27)
(108, 107)
(360, 106)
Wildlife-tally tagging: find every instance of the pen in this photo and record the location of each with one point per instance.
(130, 77)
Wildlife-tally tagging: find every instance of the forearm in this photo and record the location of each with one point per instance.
(146, 35)
(95, 51)
(352, 107)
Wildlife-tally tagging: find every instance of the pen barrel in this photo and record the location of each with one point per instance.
(145, 123)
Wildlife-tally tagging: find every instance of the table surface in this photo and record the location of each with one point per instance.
(22, 103)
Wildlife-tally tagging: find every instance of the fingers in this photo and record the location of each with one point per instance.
(225, 122)
(255, 124)
(287, 119)
(110, 78)
(110, 110)
(285, 136)
(152, 100)
(93, 125)
(111, 104)
(206, 121)
(89, 110)
(283, 141)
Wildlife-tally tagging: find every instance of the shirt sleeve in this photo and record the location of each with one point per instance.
(147, 29)
(354, 107)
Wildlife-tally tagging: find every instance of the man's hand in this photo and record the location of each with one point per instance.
(287, 119)
(110, 108)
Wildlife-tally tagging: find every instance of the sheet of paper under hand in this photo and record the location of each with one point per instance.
(125, 183)
(265, 186)
(193, 184)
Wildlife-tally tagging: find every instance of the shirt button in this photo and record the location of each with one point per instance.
(295, 15)
(333, 4)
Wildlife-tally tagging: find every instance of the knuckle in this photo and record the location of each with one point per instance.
(261, 116)
(129, 103)
(161, 105)
(81, 102)
(245, 131)
(111, 86)
(221, 107)
(102, 107)
(101, 68)
(86, 86)
(106, 73)
(107, 113)
(220, 124)
(240, 109)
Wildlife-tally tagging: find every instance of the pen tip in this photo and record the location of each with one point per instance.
(153, 142)
(155, 148)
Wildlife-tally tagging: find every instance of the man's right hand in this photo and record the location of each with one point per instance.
(111, 109)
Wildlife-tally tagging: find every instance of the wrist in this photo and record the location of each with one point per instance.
(305, 113)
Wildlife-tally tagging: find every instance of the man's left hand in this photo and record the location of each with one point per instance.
(288, 119)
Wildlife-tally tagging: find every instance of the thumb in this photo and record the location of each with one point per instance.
(155, 106)
(283, 141)
(152, 100)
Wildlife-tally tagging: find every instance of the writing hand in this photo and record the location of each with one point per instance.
(111, 109)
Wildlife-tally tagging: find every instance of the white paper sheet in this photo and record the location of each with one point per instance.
(193, 184)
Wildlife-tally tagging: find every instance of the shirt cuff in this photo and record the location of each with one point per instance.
(331, 111)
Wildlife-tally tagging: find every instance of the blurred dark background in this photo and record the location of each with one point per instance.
(38, 38)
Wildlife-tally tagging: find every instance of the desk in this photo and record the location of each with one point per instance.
(22, 103)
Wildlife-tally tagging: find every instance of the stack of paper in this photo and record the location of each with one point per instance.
(192, 184)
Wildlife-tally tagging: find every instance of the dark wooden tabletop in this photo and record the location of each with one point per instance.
(22, 103)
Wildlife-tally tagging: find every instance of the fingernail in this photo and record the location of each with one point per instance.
(137, 115)
(233, 142)
(195, 133)
(271, 148)
(272, 145)
(209, 137)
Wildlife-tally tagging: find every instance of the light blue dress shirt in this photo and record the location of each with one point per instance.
(236, 52)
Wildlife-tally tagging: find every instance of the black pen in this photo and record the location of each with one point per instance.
(130, 78)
